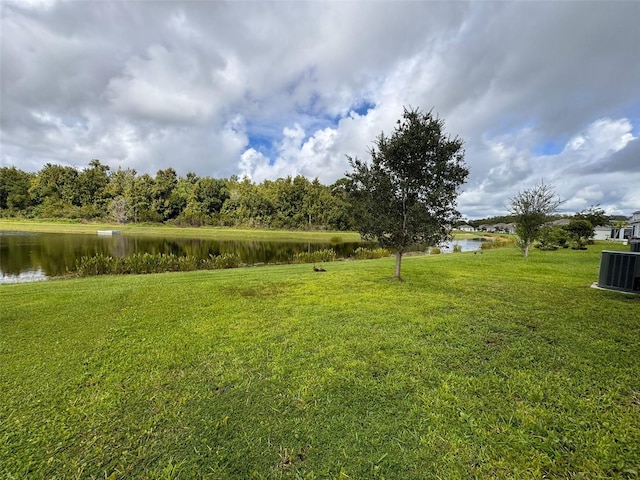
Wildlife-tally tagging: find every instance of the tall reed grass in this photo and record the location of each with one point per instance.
(324, 255)
(141, 263)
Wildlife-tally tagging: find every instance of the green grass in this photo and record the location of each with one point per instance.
(478, 366)
(217, 233)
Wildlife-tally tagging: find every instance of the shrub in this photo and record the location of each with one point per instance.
(362, 253)
(552, 237)
(97, 265)
(324, 255)
(226, 260)
(457, 248)
(435, 250)
(496, 244)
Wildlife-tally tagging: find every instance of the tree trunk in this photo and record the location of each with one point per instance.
(527, 245)
(398, 264)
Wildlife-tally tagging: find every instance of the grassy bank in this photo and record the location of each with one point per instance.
(217, 233)
(479, 366)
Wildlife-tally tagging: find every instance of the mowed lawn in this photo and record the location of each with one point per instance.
(478, 366)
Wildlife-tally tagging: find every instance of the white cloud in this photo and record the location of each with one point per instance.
(164, 86)
(269, 89)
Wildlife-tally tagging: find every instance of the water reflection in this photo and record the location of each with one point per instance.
(24, 277)
(466, 245)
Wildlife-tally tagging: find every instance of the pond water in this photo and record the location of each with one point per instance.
(28, 257)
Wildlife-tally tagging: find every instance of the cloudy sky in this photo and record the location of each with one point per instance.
(538, 91)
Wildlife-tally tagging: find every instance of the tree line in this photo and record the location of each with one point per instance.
(100, 193)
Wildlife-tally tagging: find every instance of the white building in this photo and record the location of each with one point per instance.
(602, 232)
(634, 224)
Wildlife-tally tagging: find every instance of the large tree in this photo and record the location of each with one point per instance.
(532, 209)
(407, 194)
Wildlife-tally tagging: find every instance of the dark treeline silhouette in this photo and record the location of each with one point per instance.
(100, 193)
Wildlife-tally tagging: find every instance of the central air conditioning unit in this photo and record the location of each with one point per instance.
(620, 271)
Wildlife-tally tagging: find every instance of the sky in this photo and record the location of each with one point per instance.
(540, 92)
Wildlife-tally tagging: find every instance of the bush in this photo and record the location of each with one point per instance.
(362, 253)
(435, 251)
(325, 255)
(496, 244)
(226, 260)
(457, 248)
(552, 238)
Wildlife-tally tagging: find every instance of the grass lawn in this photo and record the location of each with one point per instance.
(479, 366)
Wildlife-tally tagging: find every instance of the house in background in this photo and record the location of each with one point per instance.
(602, 232)
(466, 228)
(631, 227)
(562, 222)
(507, 227)
(498, 228)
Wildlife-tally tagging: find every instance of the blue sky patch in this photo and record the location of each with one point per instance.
(549, 148)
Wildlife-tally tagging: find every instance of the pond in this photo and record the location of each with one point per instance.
(28, 257)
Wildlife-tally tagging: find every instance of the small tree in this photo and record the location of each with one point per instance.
(580, 231)
(596, 216)
(407, 194)
(532, 209)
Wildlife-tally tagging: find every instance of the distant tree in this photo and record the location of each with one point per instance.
(54, 190)
(492, 220)
(141, 202)
(166, 201)
(14, 189)
(338, 214)
(92, 182)
(532, 209)
(595, 215)
(210, 194)
(407, 195)
(247, 204)
(121, 182)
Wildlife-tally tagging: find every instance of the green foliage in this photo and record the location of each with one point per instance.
(92, 185)
(319, 256)
(496, 243)
(492, 220)
(145, 263)
(552, 237)
(435, 251)
(595, 215)
(407, 194)
(14, 189)
(531, 209)
(478, 366)
(580, 231)
(364, 253)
